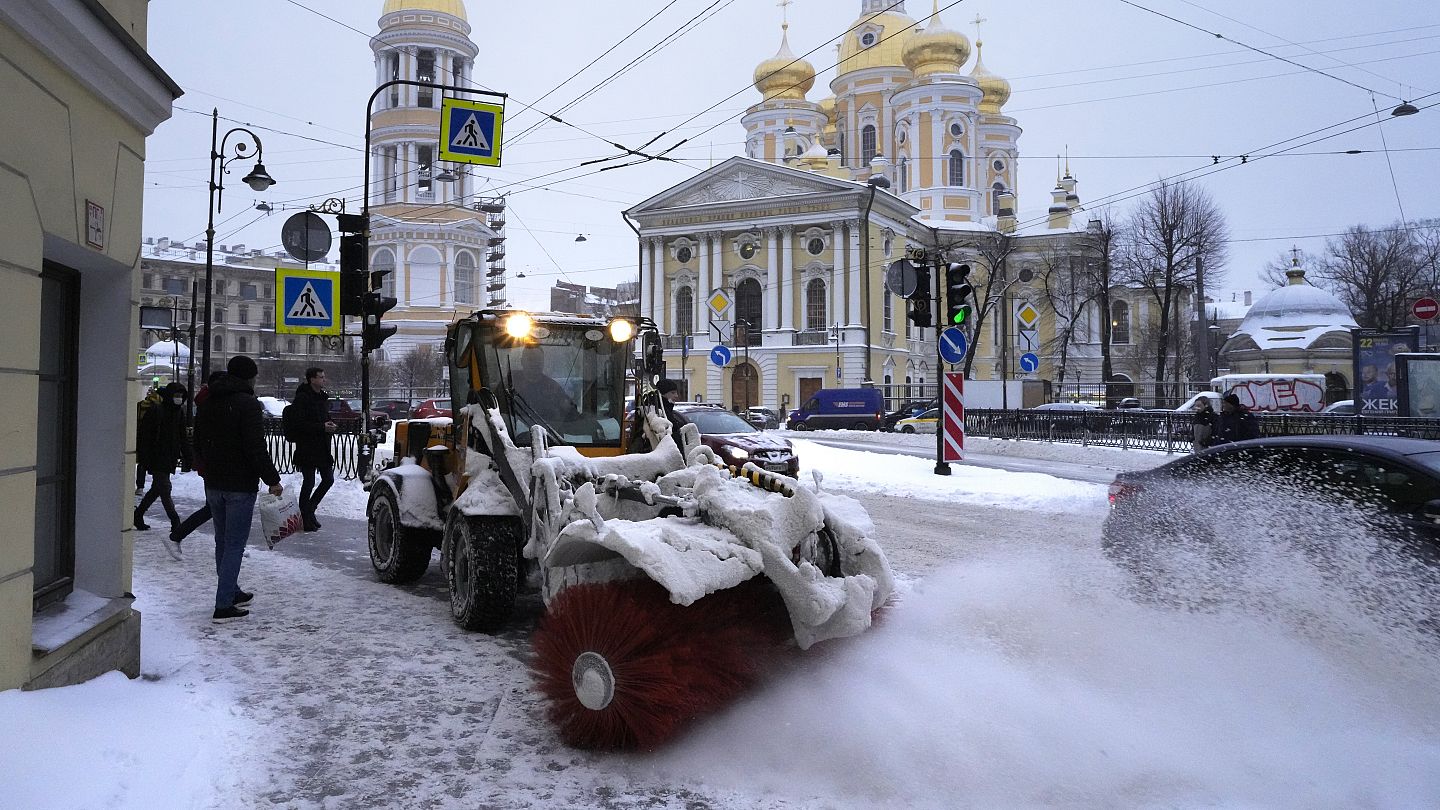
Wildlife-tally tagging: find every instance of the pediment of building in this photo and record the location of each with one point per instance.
(742, 179)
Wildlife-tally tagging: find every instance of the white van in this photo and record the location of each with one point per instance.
(1275, 393)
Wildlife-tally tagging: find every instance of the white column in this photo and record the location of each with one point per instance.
(791, 278)
(702, 325)
(854, 273)
(660, 301)
(775, 285)
(837, 277)
(647, 282)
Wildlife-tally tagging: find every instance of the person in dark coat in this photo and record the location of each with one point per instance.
(670, 394)
(1203, 422)
(313, 427)
(200, 516)
(161, 445)
(1236, 423)
(230, 445)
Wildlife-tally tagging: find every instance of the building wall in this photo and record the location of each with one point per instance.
(80, 103)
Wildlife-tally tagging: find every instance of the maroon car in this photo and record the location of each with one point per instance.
(431, 408)
(736, 441)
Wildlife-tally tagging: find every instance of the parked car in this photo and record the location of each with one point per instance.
(431, 408)
(909, 409)
(926, 422)
(1061, 419)
(273, 407)
(1184, 525)
(1345, 407)
(840, 408)
(396, 409)
(345, 413)
(736, 441)
(762, 418)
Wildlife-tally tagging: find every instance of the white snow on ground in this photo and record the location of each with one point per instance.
(908, 476)
(1113, 458)
(1012, 672)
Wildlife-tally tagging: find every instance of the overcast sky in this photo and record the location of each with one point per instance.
(1133, 96)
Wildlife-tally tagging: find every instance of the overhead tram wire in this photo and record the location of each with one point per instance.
(1284, 59)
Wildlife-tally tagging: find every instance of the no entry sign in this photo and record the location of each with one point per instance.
(953, 421)
(1426, 309)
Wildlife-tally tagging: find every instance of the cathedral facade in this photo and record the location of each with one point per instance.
(444, 242)
(780, 255)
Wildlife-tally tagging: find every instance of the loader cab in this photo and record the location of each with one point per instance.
(560, 374)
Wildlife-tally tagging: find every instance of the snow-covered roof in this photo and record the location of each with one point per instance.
(164, 350)
(1295, 316)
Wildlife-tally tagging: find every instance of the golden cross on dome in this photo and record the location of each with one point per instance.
(1295, 256)
(977, 22)
(785, 12)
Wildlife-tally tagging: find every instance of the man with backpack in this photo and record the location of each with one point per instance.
(307, 424)
(161, 445)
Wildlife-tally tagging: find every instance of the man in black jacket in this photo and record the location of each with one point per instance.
(161, 444)
(312, 429)
(230, 442)
(1236, 423)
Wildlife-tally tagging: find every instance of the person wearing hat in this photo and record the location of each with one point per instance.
(230, 444)
(1236, 423)
(160, 444)
(670, 394)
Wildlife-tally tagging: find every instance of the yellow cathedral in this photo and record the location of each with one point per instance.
(780, 254)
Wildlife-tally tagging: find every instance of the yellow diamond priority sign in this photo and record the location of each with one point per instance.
(1027, 315)
(719, 303)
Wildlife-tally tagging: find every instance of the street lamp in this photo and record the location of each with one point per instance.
(258, 180)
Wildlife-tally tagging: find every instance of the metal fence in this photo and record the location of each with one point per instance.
(344, 447)
(1172, 432)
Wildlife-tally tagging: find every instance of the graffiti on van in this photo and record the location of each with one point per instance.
(1281, 395)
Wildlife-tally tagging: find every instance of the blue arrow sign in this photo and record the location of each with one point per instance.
(953, 345)
(1029, 363)
(721, 356)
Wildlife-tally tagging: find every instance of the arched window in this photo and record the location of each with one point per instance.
(748, 308)
(684, 311)
(1119, 323)
(903, 171)
(384, 259)
(995, 192)
(957, 167)
(466, 289)
(242, 345)
(867, 144)
(219, 343)
(290, 345)
(815, 305)
(889, 312)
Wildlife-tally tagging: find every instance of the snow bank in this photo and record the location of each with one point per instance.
(908, 476)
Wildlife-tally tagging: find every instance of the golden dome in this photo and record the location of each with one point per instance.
(997, 90)
(827, 108)
(455, 8)
(783, 76)
(887, 48)
(937, 49)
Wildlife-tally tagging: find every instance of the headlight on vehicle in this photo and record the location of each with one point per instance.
(738, 454)
(519, 325)
(621, 330)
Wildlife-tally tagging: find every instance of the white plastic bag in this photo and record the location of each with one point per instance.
(279, 517)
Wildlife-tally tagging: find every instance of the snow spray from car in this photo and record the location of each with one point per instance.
(1030, 677)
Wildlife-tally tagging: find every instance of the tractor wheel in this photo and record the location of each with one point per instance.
(481, 558)
(398, 554)
(623, 667)
(908, 429)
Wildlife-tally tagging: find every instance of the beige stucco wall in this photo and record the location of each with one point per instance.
(60, 146)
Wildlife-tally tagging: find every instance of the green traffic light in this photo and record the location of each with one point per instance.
(961, 315)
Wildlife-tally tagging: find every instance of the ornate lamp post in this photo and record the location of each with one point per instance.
(258, 180)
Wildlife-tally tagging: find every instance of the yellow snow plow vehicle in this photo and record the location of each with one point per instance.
(662, 571)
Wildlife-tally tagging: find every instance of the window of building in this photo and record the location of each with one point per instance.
(244, 314)
(424, 155)
(457, 69)
(289, 345)
(265, 316)
(995, 192)
(267, 345)
(684, 255)
(242, 345)
(249, 292)
(868, 39)
(747, 250)
(815, 305)
(57, 435)
(1119, 323)
(867, 144)
(147, 281)
(999, 165)
(844, 155)
(425, 72)
(903, 172)
(956, 129)
(684, 311)
(390, 171)
(957, 167)
(466, 288)
(384, 261)
(748, 308)
(889, 312)
(220, 287)
(815, 246)
(392, 62)
(219, 315)
(267, 292)
(219, 343)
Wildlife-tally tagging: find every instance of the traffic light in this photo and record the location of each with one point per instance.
(920, 314)
(958, 292)
(372, 334)
(354, 261)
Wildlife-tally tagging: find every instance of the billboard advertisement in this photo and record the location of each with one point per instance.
(1419, 385)
(1376, 372)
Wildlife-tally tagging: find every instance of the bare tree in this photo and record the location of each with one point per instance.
(990, 280)
(1377, 273)
(419, 369)
(1272, 275)
(1176, 242)
(1068, 287)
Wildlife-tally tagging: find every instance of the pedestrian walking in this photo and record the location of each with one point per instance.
(1236, 423)
(200, 516)
(230, 443)
(1203, 423)
(161, 445)
(152, 398)
(311, 429)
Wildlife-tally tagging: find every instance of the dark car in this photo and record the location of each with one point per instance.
(396, 409)
(1195, 523)
(762, 418)
(345, 413)
(1060, 419)
(736, 441)
(906, 411)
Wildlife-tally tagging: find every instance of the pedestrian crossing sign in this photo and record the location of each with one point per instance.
(308, 302)
(470, 131)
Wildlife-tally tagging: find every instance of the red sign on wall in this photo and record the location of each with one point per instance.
(1426, 309)
(953, 417)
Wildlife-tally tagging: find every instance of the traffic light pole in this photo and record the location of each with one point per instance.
(942, 467)
(367, 441)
